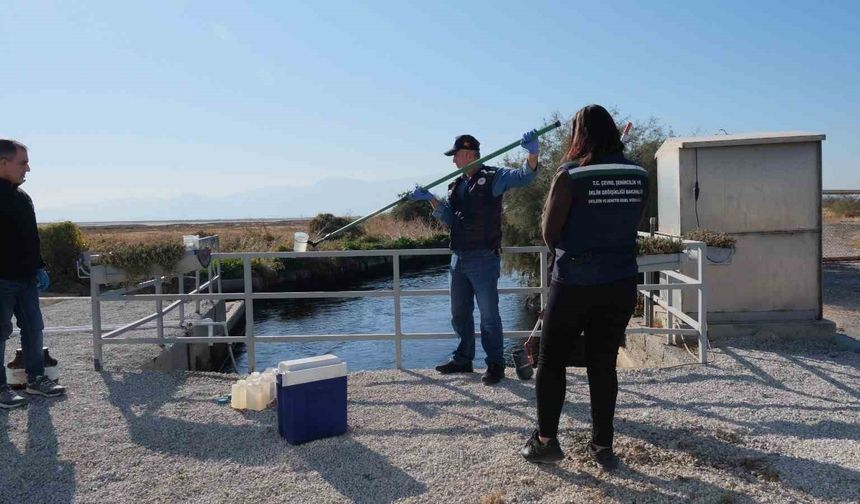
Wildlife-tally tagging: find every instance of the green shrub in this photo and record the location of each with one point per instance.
(656, 245)
(376, 243)
(711, 238)
(325, 223)
(138, 260)
(231, 268)
(62, 244)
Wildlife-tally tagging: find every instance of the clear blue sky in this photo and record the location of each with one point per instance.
(162, 98)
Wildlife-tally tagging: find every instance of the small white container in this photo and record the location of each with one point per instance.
(258, 395)
(239, 395)
(191, 242)
(300, 242)
(269, 377)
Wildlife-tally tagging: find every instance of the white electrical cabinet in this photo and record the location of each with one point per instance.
(765, 190)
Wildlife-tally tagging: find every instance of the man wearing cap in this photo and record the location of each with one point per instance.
(473, 213)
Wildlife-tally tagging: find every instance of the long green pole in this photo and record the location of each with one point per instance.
(477, 162)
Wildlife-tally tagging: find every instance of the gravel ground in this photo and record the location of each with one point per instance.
(840, 239)
(772, 422)
(842, 301)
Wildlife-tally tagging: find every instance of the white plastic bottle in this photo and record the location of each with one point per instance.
(239, 395)
(270, 378)
(257, 394)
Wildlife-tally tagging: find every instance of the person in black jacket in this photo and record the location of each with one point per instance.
(22, 275)
(590, 221)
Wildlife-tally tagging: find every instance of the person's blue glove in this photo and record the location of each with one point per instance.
(420, 194)
(42, 280)
(530, 142)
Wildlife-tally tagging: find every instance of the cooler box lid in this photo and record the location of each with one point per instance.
(308, 362)
(313, 374)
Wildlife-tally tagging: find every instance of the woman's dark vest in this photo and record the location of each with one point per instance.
(598, 243)
(478, 214)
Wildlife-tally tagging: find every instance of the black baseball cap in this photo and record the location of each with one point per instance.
(464, 142)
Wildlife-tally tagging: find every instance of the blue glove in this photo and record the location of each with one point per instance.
(420, 194)
(530, 142)
(42, 280)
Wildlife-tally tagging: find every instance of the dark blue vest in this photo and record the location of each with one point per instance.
(478, 214)
(598, 243)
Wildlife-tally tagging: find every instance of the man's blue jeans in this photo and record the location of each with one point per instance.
(475, 275)
(22, 300)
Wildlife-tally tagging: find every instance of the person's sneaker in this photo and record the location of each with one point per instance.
(493, 374)
(44, 386)
(539, 453)
(10, 399)
(455, 367)
(603, 455)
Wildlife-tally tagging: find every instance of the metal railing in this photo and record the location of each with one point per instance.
(97, 297)
(662, 294)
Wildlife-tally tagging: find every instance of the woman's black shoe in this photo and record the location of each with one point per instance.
(539, 453)
(604, 456)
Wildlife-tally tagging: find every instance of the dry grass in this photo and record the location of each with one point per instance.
(389, 227)
(259, 236)
(243, 236)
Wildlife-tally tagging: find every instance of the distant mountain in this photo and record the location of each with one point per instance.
(337, 196)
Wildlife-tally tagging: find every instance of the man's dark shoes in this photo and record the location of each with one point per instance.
(493, 374)
(539, 453)
(9, 399)
(44, 386)
(604, 456)
(451, 367)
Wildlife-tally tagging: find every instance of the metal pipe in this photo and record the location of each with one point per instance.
(95, 292)
(477, 162)
(181, 280)
(249, 314)
(159, 310)
(398, 342)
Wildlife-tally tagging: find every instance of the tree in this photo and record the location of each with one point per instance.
(326, 223)
(413, 210)
(524, 206)
(61, 247)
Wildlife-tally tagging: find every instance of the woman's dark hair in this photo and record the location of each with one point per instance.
(593, 135)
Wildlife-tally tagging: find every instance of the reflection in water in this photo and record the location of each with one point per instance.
(376, 315)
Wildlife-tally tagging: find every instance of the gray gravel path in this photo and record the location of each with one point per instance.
(765, 423)
(840, 239)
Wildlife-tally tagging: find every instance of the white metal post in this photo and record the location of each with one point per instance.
(95, 303)
(159, 307)
(249, 314)
(181, 283)
(218, 269)
(703, 310)
(671, 339)
(398, 340)
(197, 291)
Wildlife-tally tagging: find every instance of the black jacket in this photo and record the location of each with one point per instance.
(20, 254)
(601, 206)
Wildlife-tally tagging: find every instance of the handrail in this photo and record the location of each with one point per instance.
(671, 275)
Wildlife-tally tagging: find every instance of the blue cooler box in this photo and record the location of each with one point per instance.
(311, 398)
